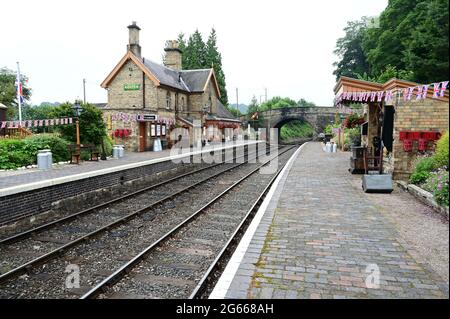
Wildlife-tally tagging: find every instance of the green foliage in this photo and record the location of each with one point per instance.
(296, 129)
(350, 51)
(410, 43)
(423, 170)
(352, 136)
(92, 126)
(277, 102)
(8, 93)
(437, 183)
(441, 155)
(39, 112)
(303, 103)
(200, 55)
(18, 153)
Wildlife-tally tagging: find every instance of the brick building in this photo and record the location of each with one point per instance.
(147, 100)
(411, 121)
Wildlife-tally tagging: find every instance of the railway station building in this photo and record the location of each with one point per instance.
(147, 100)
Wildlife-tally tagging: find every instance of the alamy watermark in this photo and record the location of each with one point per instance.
(225, 147)
(73, 277)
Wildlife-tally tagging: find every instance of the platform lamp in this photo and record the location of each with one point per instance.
(77, 108)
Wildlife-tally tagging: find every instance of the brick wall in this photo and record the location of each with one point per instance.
(422, 115)
(43, 200)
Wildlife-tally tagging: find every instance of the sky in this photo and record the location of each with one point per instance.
(284, 46)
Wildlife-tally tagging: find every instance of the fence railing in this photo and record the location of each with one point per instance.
(14, 133)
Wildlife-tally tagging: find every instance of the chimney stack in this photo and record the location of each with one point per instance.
(133, 42)
(173, 55)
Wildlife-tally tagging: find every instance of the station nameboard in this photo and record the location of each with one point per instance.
(131, 87)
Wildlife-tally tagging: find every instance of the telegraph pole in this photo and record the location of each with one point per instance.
(237, 99)
(265, 93)
(84, 91)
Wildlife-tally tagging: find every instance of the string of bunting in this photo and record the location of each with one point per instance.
(36, 123)
(418, 92)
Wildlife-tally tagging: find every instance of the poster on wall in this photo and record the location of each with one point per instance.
(152, 130)
(158, 129)
(163, 130)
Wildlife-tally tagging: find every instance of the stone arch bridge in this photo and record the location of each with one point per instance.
(318, 117)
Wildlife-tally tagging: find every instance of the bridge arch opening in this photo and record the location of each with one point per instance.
(294, 130)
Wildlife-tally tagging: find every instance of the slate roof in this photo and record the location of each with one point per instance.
(185, 80)
(222, 113)
(195, 79)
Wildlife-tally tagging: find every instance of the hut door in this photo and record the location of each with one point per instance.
(142, 136)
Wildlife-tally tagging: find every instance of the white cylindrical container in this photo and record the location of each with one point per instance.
(44, 159)
(115, 151)
(328, 147)
(121, 151)
(334, 148)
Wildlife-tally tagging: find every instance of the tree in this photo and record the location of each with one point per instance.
(214, 60)
(8, 92)
(350, 51)
(200, 55)
(195, 52)
(411, 43)
(303, 103)
(92, 126)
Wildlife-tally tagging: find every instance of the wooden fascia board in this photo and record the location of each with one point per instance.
(119, 66)
(212, 74)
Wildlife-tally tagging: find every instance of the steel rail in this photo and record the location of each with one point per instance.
(115, 276)
(54, 253)
(207, 277)
(70, 217)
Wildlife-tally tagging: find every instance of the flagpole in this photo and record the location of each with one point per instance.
(18, 94)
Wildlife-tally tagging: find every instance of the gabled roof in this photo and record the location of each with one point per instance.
(191, 81)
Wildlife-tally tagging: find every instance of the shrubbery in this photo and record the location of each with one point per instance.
(432, 172)
(18, 153)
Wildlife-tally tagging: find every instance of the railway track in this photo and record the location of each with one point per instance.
(85, 228)
(185, 261)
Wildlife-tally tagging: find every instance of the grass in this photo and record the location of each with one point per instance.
(296, 129)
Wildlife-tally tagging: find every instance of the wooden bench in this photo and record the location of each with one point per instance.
(75, 152)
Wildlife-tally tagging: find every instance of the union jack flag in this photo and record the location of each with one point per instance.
(19, 88)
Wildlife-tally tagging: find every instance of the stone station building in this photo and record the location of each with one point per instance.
(147, 100)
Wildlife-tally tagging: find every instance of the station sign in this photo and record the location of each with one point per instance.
(131, 87)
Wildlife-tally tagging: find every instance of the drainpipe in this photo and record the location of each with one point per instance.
(143, 86)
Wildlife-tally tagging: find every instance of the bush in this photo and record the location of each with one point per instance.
(437, 184)
(441, 155)
(57, 145)
(18, 153)
(423, 170)
(352, 136)
(13, 154)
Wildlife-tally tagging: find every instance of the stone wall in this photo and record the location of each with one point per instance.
(422, 115)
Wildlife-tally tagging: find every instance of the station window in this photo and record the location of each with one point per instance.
(168, 100)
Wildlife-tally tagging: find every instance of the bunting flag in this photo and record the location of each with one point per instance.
(36, 123)
(419, 92)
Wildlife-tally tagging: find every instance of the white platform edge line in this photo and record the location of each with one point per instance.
(223, 284)
(70, 178)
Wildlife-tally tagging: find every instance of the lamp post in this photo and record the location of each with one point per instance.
(77, 108)
(204, 112)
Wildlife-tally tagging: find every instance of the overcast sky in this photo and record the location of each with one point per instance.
(284, 46)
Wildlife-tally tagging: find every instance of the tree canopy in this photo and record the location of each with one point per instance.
(8, 91)
(410, 42)
(200, 55)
